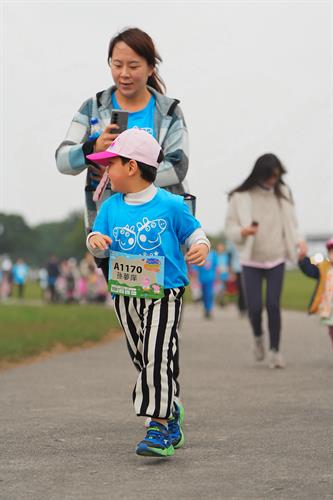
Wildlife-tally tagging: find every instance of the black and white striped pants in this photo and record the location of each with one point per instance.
(151, 329)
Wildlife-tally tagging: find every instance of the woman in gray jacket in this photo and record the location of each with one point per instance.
(261, 222)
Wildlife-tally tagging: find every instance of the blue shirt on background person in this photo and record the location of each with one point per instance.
(207, 272)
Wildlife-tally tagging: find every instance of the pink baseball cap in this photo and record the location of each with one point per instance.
(135, 144)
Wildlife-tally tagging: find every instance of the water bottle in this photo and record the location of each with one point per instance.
(95, 129)
(95, 132)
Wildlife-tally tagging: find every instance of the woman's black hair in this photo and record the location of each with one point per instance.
(143, 45)
(264, 168)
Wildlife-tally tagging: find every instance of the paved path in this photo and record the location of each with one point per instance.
(68, 430)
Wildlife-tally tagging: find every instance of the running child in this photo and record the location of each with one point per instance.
(142, 228)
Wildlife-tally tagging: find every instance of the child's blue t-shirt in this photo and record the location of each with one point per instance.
(157, 227)
(143, 119)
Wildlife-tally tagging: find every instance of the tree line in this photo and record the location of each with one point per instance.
(64, 239)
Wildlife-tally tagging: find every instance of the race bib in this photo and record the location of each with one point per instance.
(136, 276)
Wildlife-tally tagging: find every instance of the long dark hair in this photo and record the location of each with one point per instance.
(143, 45)
(264, 168)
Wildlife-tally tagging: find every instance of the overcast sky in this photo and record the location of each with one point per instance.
(252, 77)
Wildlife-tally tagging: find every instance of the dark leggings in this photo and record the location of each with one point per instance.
(253, 278)
(241, 303)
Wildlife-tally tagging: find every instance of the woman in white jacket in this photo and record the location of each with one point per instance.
(261, 222)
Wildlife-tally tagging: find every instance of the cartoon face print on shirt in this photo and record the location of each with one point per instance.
(126, 237)
(149, 233)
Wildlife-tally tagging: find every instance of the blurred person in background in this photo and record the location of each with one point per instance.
(6, 277)
(97, 287)
(43, 279)
(67, 281)
(207, 275)
(91, 284)
(223, 272)
(87, 267)
(261, 221)
(53, 272)
(195, 287)
(20, 273)
(322, 298)
(236, 275)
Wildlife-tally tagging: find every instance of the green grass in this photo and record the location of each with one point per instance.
(29, 330)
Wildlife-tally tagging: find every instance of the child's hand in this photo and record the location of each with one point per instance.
(101, 241)
(197, 254)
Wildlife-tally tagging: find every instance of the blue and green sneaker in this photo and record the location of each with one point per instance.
(157, 442)
(181, 413)
(175, 426)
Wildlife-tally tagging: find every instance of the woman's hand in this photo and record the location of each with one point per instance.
(106, 138)
(101, 241)
(102, 143)
(197, 254)
(249, 230)
(302, 249)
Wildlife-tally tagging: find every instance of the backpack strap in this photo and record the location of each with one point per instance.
(173, 107)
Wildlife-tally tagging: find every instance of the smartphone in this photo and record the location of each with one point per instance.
(255, 223)
(120, 118)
